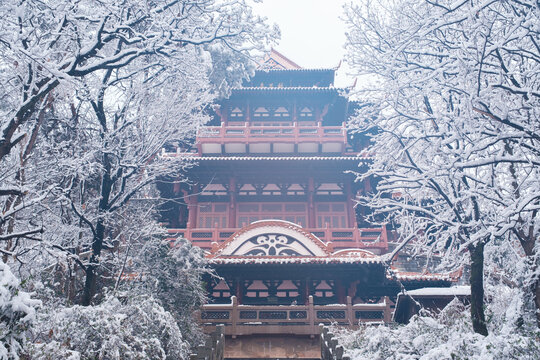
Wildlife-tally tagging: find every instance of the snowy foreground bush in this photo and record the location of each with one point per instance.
(16, 314)
(448, 335)
(138, 328)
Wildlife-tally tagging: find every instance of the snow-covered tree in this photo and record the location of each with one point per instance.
(130, 127)
(17, 313)
(105, 85)
(453, 102)
(47, 43)
(171, 272)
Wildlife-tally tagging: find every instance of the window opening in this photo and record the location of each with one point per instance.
(214, 190)
(306, 113)
(256, 289)
(295, 189)
(247, 189)
(221, 290)
(250, 212)
(237, 114)
(287, 289)
(281, 113)
(332, 214)
(329, 189)
(261, 114)
(212, 215)
(324, 291)
(271, 189)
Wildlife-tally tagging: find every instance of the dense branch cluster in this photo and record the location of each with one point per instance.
(453, 105)
(92, 91)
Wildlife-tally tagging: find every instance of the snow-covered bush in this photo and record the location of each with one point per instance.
(173, 274)
(17, 312)
(135, 328)
(449, 335)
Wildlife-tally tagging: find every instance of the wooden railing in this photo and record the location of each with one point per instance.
(249, 133)
(341, 238)
(293, 319)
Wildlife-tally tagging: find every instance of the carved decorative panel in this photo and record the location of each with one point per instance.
(273, 315)
(215, 315)
(273, 238)
(298, 314)
(273, 245)
(331, 314)
(369, 315)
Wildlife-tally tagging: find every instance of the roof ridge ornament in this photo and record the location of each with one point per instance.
(276, 60)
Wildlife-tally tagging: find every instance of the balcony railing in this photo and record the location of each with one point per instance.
(294, 133)
(294, 319)
(341, 238)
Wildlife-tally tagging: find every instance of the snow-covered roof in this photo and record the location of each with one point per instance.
(303, 89)
(298, 70)
(412, 276)
(281, 260)
(268, 158)
(433, 297)
(435, 291)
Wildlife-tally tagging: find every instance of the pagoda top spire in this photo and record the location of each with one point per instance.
(277, 61)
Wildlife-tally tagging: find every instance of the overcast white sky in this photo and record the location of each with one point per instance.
(312, 34)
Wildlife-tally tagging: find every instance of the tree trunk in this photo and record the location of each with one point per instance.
(535, 288)
(99, 234)
(477, 288)
(89, 285)
(529, 249)
(91, 269)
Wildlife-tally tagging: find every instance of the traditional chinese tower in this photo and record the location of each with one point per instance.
(271, 201)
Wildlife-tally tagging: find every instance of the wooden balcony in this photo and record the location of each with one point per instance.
(295, 319)
(257, 139)
(341, 238)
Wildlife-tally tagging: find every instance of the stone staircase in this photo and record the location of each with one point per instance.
(287, 346)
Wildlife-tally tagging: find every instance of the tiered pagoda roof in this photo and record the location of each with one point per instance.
(272, 200)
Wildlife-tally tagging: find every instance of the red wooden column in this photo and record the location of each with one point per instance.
(239, 284)
(223, 113)
(317, 115)
(351, 289)
(307, 287)
(350, 206)
(232, 204)
(340, 292)
(191, 200)
(247, 115)
(311, 205)
(182, 214)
